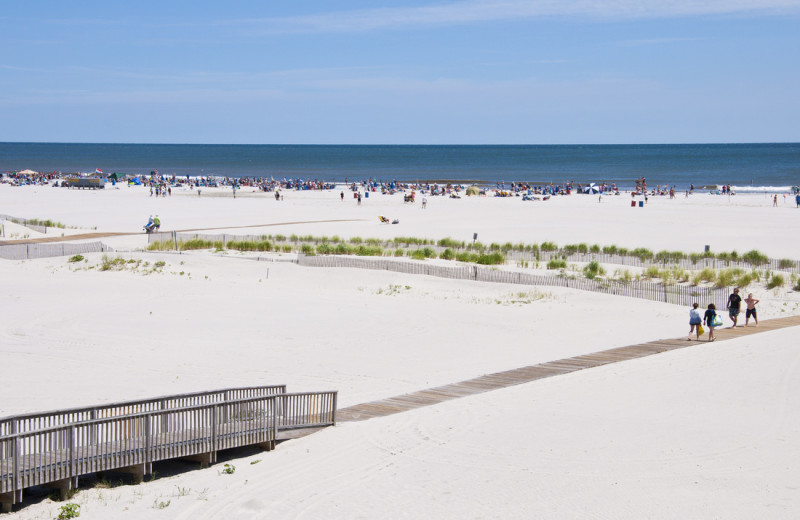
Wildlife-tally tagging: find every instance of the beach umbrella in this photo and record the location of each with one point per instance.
(473, 190)
(591, 189)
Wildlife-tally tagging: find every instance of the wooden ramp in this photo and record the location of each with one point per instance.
(56, 448)
(518, 376)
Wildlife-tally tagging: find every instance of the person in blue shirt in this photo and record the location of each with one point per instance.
(694, 322)
(708, 320)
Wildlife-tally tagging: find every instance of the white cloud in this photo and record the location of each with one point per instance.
(475, 11)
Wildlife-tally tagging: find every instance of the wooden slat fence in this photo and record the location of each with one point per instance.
(67, 451)
(684, 295)
(773, 264)
(47, 250)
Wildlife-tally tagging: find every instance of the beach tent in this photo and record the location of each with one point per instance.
(28, 172)
(116, 176)
(473, 190)
(591, 189)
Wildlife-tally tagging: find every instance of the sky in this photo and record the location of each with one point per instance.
(401, 72)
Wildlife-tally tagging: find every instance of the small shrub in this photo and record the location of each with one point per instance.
(695, 257)
(570, 249)
(308, 249)
(356, 240)
(229, 469)
(755, 258)
(447, 254)
(76, 258)
(642, 253)
(370, 251)
(592, 270)
(548, 246)
(421, 254)
(610, 250)
(557, 263)
(492, 259)
(744, 280)
(477, 246)
(449, 242)
(624, 276)
(69, 511)
(399, 251)
(705, 275)
(786, 263)
(595, 248)
(777, 280)
(652, 272)
(467, 257)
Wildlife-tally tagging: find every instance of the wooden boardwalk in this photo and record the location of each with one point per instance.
(56, 448)
(518, 376)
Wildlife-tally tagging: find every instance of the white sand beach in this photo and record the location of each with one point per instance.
(701, 432)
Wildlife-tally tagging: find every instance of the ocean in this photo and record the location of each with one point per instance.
(756, 167)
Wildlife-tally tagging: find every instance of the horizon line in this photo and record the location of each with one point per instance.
(705, 143)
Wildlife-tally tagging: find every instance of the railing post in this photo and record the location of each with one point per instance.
(214, 446)
(335, 401)
(164, 422)
(71, 440)
(93, 429)
(148, 441)
(16, 482)
(274, 419)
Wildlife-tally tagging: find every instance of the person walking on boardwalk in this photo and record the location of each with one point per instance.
(734, 304)
(708, 320)
(694, 322)
(751, 309)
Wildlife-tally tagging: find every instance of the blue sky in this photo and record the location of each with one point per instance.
(412, 72)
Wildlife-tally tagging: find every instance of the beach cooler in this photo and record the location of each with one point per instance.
(366, 194)
(633, 203)
(641, 203)
(355, 195)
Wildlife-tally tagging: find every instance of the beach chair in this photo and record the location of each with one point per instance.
(384, 220)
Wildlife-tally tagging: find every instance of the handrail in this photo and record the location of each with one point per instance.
(66, 451)
(24, 422)
(332, 393)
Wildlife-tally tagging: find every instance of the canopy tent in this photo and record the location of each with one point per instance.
(116, 176)
(28, 172)
(473, 190)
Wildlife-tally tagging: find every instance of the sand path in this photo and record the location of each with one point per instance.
(88, 236)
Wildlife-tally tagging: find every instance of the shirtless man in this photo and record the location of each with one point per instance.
(751, 309)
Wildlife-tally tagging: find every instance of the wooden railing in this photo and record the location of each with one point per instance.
(60, 454)
(39, 420)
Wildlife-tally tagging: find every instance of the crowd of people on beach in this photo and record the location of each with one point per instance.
(712, 320)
